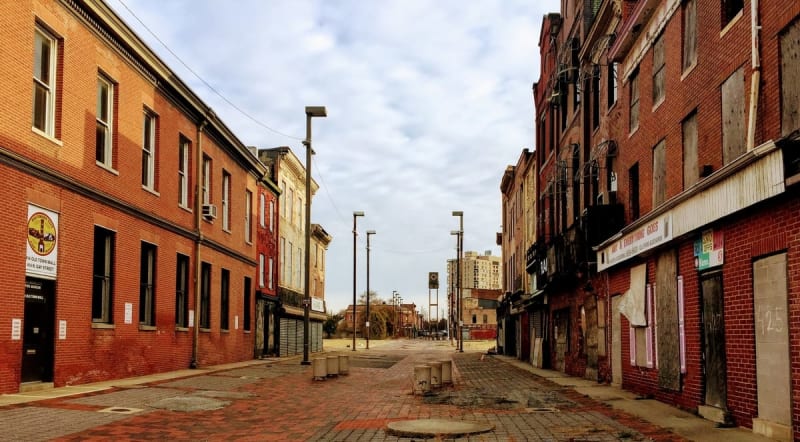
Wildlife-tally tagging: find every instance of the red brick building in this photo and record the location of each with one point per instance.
(686, 130)
(267, 310)
(128, 211)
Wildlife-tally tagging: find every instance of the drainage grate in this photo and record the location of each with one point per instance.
(120, 410)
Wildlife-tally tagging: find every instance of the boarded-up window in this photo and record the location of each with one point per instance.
(659, 72)
(689, 34)
(666, 303)
(691, 173)
(659, 173)
(733, 121)
(790, 79)
(633, 188)
(634, 93)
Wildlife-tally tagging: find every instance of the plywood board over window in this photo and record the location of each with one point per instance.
(668, 348)
(790, 79)
(659, 173)
(733, 117)
(691, 171)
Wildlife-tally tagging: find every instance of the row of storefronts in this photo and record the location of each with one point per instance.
(657, 215)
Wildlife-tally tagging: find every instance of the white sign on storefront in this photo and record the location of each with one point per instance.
(41, 258)
(650, 235)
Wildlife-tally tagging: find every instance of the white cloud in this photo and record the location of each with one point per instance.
(428, 101)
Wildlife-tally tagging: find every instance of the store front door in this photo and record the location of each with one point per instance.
(38, 331)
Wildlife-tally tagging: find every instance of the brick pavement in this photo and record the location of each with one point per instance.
(279, 401)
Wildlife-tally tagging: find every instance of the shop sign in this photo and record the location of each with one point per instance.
(709, 250)
(317, 305)
(42, 244)
(649, 236)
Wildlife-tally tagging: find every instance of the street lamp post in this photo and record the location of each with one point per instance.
(369, 233)
(460, 248)
(311, 111)
(356, 214)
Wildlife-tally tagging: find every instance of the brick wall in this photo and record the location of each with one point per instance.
(65, 178)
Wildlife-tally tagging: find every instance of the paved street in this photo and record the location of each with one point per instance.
(278, 400)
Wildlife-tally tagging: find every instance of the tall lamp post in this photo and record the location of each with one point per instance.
(460, 248)
(369, 233)
(356, 214)
(311, 111)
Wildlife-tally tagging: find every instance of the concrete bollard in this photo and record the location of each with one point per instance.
(320, 369)
(436, 374)
(344, 364)
(422, 379)
(447, 371)
(333, 365)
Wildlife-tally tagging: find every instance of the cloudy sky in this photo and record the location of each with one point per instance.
(428, 101)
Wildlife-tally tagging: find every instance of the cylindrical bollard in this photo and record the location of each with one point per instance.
(320, 369)
(436, 374)
(344, 364)
(333, 365)
(422, 379)
(447, 371)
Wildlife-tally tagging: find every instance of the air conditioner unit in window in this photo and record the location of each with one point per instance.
(209, 211)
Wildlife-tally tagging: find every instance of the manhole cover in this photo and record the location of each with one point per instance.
(120, 410)
(437, 428)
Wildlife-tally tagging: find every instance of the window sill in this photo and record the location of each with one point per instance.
(688, 70)
(103, 325)
(247, 332)
(633, 132)
(47, 137)
(205, 330)
(227, 230)
(186, 208)
(151, 190)
(731, 23)
(107, 168)
(144, 327)
(178, 328)
(660, 102)
(610, 108)
(224, 331)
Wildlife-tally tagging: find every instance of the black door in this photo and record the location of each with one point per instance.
(715, 361)
(38, 326)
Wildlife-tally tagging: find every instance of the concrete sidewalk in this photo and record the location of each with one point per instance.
(680, 422)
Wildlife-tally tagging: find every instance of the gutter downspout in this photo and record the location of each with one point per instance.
(198, 220)
(755, 79)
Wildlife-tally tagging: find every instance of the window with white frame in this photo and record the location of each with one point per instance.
(183, 171)
(271, 216)
(271, 271)
(149, 150)
(104, 118)
(44, 81)
(206, 189)
(282, 252)
(611, 87)
(283, 199)
(248, 214)
(261, 269)
(226, 200)
(261, 208)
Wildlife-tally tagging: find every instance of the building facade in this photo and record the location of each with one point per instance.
(478, 271)
(667, 133)
(116, 153)
(520, 316)
(290, 176)
(267, 302)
